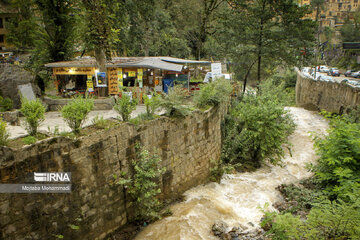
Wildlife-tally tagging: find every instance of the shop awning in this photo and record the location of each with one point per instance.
(154, 63)
(164, 63)
(183, 61)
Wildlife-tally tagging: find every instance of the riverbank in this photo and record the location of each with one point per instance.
(237, 198)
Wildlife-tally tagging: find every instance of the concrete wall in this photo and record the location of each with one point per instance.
(95, 205)
(329, 96)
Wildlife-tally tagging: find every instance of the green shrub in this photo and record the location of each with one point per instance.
(99, 122)
(302, 197)
(213, 93)
(327, 220)
(338, 168)
(124, 106)
(272, 91)
(75, 112)
(219, 169)
(34, 113)
(143, 188)
(255, 130)
(6, 104)
(4, 135)
(152, 104)
(29, 140)
(285, 226)
(174, 103)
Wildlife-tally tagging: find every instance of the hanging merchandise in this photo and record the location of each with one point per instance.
(101, 79)
(89, 84)
(113, 81)
(140, 77)
(120, 78)
(132, 74)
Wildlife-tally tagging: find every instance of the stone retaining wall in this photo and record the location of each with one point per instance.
(329, 96)
(57, 104)
(95, 205)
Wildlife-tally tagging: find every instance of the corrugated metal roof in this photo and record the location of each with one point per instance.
(144, 62)
(164, 63)
(183, 61)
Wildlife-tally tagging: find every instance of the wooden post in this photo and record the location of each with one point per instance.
(188, 78)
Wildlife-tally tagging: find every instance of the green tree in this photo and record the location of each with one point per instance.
(143, 187)
(350, 32)
(22, 29)
(76, 112)
(256, 129)
(34, 113)
(125, 106)
(338, 168)
(260, 35)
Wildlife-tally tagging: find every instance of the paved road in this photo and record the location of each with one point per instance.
(338, 79)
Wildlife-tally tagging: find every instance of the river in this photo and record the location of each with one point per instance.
(237, 198)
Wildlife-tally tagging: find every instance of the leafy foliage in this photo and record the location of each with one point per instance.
(29, 140)
(124, 106)
(75, 112)
(6, 104)
(101, 123)
(338, 168)
(47, 28)
(219, 169)
(213, 93)
(327, 220)
(253, 32)
(144, 187)
(34, 113)
(255, 131)
(174, 103)
(301, 198)
(274, 90)
(4, 135)
(152, 103)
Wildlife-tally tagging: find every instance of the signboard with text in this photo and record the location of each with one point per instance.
(113, 81)
(101, 79)
(89, 84)
(120, 78)
(140, 77)
(73, 71)
(216, 70)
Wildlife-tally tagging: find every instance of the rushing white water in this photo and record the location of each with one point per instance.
(238, 196)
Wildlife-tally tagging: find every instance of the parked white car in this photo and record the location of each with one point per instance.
(324, 78)
(324, 69)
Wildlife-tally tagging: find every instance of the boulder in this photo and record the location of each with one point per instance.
(11, 76)
(219, 229)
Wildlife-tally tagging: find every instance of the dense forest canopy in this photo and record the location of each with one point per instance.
(255, 36)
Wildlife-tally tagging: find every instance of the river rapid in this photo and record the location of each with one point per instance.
(237, 198)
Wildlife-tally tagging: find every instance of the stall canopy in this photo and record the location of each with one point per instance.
(163, 63)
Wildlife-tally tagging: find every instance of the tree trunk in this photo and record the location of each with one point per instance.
(247, 75)
(260, 46)
(101, 65)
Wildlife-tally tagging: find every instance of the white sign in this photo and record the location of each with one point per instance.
(52, 177)
(27, 91)
(216, 70)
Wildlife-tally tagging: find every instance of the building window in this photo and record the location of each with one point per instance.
(2, 38)
(1, 23)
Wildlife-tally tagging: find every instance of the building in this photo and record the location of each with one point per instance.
(334, 12)
(143, 74)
